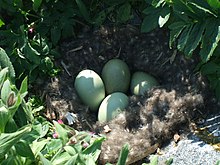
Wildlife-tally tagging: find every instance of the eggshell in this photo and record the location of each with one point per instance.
(90, 88)
(142, 82)
(112, 105)
(116, 76)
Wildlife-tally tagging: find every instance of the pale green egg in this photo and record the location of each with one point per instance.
(90, 88)
(116, 76)
(142, 82)
(112, 105)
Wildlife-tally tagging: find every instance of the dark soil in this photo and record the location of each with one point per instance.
(183, 96)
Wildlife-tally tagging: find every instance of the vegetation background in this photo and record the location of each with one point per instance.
(30, 34)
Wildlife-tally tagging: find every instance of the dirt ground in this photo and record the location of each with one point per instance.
(182, 98)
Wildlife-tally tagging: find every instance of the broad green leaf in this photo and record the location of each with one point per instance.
(194, 39)
(200, 9)
(214, 3)
(62, 133)
(151, 19)
(28, 110)
(54, 145)
(123, 155)
(71, 150)
(7, 140)
(1, 23)
(31, 54)
(36, 4)
(11, 126)
(23, 149)
(43, 160)
(124, 12)
(158, 3)
(41, 129)
(184, 37)
(55, 33)
(5, 91)
(12, 159)
(37, 146)
(24, 87)
(210, 68)
(210, 39)
(94, 146)
(181, 7)
(90, 160)
(62, 158)
(175, 30)
(83, 10)
(4, 117)
(72, 160)
(3, 74)
(100, 18)
(5, 62)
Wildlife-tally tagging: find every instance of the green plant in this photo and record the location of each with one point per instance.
(193, 25)
(25, 139)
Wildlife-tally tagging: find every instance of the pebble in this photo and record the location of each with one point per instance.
(190, 151)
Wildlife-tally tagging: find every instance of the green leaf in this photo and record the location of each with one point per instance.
(11, 126)
(83, 10)
(5, 62)
(36, 4)
(124, 12)
(71, 150)
(200, 9)
(7, 140)
(24, 87)
(61, 158)
(123, 155)
(4, 117)
(210, 39)
(1, 23)
(184, 37)
(23, 149)
(55, 34)
(72, 160)
(214, 4)
(54, 145)
(182, 8)
(5, 91)
(3, 74)
(62, 133)
(31, 54)
(94, 146)
(175, 30)
(37, 146)
(210, 68)
(151, 19)
(43, 160)
(194, 39)
(169, 161)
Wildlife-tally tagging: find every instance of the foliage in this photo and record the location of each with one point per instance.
(194, 25)
(30, 31)
(35, 140)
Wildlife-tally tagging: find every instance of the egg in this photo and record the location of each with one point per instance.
(142, 82)
(90, 88)
(116, 76)
(112, 105)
